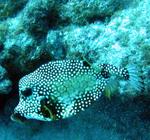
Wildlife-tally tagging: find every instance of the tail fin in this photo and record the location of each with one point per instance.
(134, 78)
(128, 78)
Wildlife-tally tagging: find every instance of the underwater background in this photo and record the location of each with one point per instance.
(34, 32)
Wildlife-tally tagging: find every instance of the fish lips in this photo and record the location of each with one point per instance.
(18, 118)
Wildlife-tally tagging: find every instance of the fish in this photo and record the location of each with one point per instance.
(63, 88)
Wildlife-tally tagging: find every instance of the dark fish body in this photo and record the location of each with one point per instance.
(61, 89)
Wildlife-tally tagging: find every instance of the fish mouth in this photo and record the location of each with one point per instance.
(18, 118)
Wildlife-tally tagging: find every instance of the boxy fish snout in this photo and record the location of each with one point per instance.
(18, 118)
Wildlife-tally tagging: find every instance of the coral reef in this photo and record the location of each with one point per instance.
(54, 32)
(86, 11)
(33, 32)
(9, 8)
(5, 83)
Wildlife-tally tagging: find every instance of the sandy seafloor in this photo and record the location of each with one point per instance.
(105, 120)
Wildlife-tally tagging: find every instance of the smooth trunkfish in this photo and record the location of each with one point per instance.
(60, 89)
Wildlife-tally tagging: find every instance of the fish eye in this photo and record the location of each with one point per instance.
(27, 92)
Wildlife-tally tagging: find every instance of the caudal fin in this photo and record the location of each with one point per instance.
(135, 80)
(133, 83)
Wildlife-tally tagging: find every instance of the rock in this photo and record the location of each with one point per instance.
(99, 31)
(5, 83)
(87, 11)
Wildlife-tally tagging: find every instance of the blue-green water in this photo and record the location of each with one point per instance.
(34, 32)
